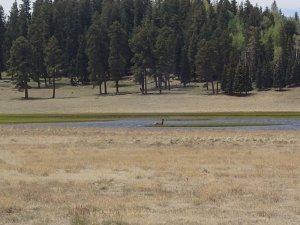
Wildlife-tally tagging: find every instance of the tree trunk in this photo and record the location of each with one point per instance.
(26, 92)
(169, 85)
(166, 82)
(195, 77)
(53, 83)
(160, 84)
(39, 82)
(0, 75)
(45, 79)
(213, 87)
(146, 91)
(217, 88)
(156, 82)
(26, 89)
(105, 87)
(117, 87)
(207, 85)
(100, 86)
(142, 83)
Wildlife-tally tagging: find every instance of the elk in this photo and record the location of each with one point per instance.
(161, 123)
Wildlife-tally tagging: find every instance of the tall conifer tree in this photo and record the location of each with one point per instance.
(97, 52)
(2, 38)
(21, 63)
(53, 61)
(117, 60)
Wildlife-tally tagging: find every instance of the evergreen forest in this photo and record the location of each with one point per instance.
(232, 47)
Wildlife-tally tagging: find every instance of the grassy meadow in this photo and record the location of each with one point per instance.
(193, 99)
(88, 176)
(82, 176)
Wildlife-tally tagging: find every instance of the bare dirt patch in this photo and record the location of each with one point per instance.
(105, 176)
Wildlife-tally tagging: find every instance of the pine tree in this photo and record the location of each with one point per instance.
(274, 7)
(259, 77)
(296, 72)
(110, 13)
(296, 16)
(230, 76)
(85, 12)
(139, 11)
(229, 73)
(166, 54)
(142, 45)
(242, 81)
(66, 30)
(206, 65)
(82, 62)
(234, 7)
(127, 15)
(204, 35)
(267, 75)
(279, 75)
(117, 60)
(289, 30)
(97, 6)
(38, 36)
(254, 52)
(247, 81)
(198, 19)
(289, 71)
(185, 74)
(53, 61)
(2, 38)
(24, 17)
(21, 63)
(223, 47)
(12, 28)
(97, 51)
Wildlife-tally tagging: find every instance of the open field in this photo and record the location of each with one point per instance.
(87, 176)
(140, 176)
(84, 99)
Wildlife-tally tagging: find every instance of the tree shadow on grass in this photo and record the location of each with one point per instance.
(242, 95)
(164, 92)
(114, 94)
(40, 98)
(282, 90)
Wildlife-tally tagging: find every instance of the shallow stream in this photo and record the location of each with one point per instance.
(275, 124)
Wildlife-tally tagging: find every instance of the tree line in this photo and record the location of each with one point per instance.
(239, 46)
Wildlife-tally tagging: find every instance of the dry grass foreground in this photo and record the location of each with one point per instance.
(84, 176)
(84, 99)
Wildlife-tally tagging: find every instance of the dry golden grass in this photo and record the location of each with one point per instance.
(104, 176)
(193, 99)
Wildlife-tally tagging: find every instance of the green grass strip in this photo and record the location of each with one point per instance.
(18, 119)
(95, 117)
